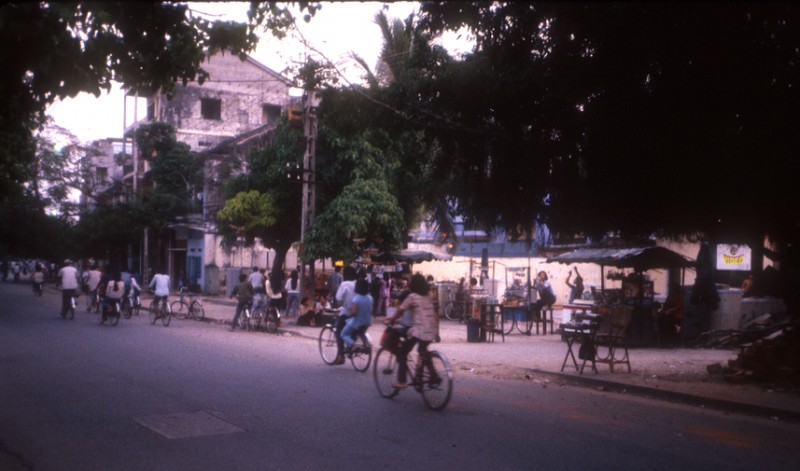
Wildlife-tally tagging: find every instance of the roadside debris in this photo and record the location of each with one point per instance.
(768, 353)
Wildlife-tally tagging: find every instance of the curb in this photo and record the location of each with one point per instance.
(675, 396)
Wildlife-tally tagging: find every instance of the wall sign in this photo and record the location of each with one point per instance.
(733, 257)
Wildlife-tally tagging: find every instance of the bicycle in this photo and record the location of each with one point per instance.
(455, 310)
(360, 354)
(271, 318)
(130, 305)
(159, 309)
(73, 303)
(93, 301)
(37, 289)
(191, 309)
(111, 313)
(436, 390)
(244, 320)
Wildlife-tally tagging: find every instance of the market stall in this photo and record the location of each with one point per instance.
(637, 289)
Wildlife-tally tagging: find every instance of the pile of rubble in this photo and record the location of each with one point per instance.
(769, 351)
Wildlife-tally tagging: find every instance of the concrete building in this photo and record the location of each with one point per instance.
(234, 109)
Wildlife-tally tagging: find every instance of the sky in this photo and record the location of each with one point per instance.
(336, 30)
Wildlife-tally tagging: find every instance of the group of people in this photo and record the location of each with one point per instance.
(108, 287)
(17, 269)
(415, 320)
(259, 290)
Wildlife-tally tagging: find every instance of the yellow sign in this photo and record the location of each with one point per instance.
(733, 257)
(729, 260)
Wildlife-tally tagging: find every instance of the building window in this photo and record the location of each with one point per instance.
(151, 111)
(102, 175)
(270, 113)
(211, 108)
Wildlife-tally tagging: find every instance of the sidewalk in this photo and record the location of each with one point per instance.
(677, 374)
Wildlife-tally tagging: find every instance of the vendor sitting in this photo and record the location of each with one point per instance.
(308, 315)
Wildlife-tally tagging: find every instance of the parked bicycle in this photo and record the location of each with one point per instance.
(360, 355)
(455, 310)
(159, 309)
(187, 307)
(435, 387)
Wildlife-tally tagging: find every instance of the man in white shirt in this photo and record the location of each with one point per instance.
(68, 280)
(256, 280)
(344, 297)
(160, 285)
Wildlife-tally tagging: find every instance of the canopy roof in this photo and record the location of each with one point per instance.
(409, 256)
(640, 259)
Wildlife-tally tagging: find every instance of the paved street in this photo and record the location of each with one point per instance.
(77, 395)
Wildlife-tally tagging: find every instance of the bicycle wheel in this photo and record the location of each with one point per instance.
(449, 312)
(508, 324)
(271, 321)
(153, 312)
(196, 310)
(524, 325)
(361, 356)
(179, 309)
(70, 314)
(127, 311)
(113, 318)
(166, 316)
(384, 373)
(137, 304)
(244, 320)
(328, 348)
(436, 392)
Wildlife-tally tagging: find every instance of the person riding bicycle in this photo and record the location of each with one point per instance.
(257, 281)
(113, 293)
(244, 293)
(69, 281)
(424, 329)
(160, 285)
(344, 297)
(38, 279)
(360, 318)
(93, 276)
(274, 295)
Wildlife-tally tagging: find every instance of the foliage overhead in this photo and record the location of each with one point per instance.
(247, 211)
(640, 117)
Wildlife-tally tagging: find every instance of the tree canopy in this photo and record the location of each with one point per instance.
(640, 117)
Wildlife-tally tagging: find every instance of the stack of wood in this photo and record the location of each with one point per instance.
(768, 353)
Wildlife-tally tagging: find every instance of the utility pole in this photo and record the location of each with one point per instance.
(308, 210)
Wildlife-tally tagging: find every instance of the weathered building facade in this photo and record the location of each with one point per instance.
(234, 109)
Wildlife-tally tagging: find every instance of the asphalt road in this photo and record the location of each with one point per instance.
(76, 395)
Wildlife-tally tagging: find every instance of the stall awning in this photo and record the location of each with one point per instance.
(409, 256)
(640, 258)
